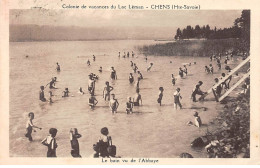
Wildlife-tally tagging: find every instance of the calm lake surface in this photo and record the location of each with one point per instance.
(152, 131)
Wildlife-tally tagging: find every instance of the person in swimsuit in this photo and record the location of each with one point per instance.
(81, 91)
(51, 84)
(50, 97)
(219, 64)
(113, 75)
(119, 54)
(74, 135)
(180, 72)
(58, 67)
(218, 89)
(113, 104)
(137, 98)
(30, 126)
(207, 69)
(149, 68)
(135, 68)
(88, 62)
(177, 97)
(124, 55)
(94, 58)
(137, 84)
(104, 141)
(159, 100)
(129, 106)
(91, 84)
(92, 102)
(133, 55)
(131, 78)
(185, 70)
(107, 90)
(197, 120)
(100, 69)
(50, 142)
(173, 80)
(196, 91)
(66, 92)
(131, 63)
(211, 68)
(41, 94)
(140, 76)
(128, 54)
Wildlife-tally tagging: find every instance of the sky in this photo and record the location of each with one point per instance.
(121, 18)
(156, 24)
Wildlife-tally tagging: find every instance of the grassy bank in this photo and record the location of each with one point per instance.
(193, 47)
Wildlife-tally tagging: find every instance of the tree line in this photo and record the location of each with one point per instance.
(240, 29)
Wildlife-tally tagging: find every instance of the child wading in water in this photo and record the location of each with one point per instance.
(159, 100)
(113, 75)
(173, 80)
(58, 67)
(180, 72)
(137, 98)
(50, 142)
(74, 135)
(66, 92)
(92, 102)
(30, 126)
(210, 68)
(106, 91)
(131, 78)
(113, 104)
(185, 70)
(177, 97)
(41, 94)
(149, 68)
(129, 106)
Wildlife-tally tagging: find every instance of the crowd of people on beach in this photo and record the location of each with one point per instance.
(104, 147)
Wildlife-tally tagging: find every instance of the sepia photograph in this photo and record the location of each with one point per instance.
(123, 84)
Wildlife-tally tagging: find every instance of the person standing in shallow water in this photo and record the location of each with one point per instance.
(106, 91)
(74, 135)
(196, 91)
(50, 142)
(131, 78)
(113, 104)
(113, 75)
(137, 98)
(41, 94)
(129, 106)
(30, 126)
(173, 80)
(159, 100)
(177, 97)
(58, 67)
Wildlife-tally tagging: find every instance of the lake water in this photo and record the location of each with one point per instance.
(153, 131)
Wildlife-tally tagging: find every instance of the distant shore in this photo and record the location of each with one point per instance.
(192, 47)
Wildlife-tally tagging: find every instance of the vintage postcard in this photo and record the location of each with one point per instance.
(129, 82)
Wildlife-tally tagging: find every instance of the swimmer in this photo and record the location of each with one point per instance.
(66, 92)
(149, 68)
(50, 142)
(91, 84)
(159, 100)
(94, 58)
(50, 97)
(218, 89)
(180, 72)
(211, 68)
(88, 62)
(173, 80)
(146, 58)
(113, 104)
(219, 64)
(129, 106)
(137, 83)
(92, 102)
(131, 78)
(132, 64)
(207, 69)
(100, 69)
(177, 97)
(113, 75)
(81, 91)
(185, 70)
(197, 120)
(41, 94)
(135, 68)
(196, 91)
(124, 55)
(133, 55)
(140, 75)
(106, 91)
(30, 126)
(128, 54)
(137, 98)
(74, 135)
(51, 84)
(58, 67)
